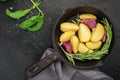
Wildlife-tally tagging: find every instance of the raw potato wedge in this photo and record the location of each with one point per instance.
(97, 33)
(67, 26)
(66, 36)
(84, 33)
(74, 42)
(88, 16)
(82, 48)
(94, 45)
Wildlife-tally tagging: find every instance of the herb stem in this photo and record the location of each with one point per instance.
(37, 7)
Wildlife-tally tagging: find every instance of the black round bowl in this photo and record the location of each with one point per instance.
(66, 16)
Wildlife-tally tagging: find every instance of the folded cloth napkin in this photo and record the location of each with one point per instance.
(62, 71)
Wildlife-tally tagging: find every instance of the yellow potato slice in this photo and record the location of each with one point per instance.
(84, 33)
(67, 26)
(97, 33)
(82, 48)
(74, 42)
(86, 16)
(66, 36)
(94, 45)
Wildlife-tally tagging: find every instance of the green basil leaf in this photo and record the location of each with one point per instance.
(17, 14)
(29, 22)
(38, 26)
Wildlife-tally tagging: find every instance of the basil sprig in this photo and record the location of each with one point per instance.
(29, 24)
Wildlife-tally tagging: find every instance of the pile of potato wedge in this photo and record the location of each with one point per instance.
(82, 37)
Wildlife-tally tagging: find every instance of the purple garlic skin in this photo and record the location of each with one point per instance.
(90, 23)
(67, 46)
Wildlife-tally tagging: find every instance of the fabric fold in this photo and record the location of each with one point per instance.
(62, 71)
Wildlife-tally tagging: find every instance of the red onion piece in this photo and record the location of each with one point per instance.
(67, 46)
(90, 23)
(104, 37)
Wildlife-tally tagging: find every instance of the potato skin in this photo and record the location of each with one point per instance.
(84, 33)
(68, 26)
(66, 36)
(97, 33)
(74, 42)
(93, 45)
(88, 16)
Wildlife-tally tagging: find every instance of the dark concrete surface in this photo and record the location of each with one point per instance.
(19, 48)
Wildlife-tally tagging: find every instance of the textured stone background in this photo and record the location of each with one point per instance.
(19, 48)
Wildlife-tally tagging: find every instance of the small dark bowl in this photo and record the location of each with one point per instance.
(66, 16)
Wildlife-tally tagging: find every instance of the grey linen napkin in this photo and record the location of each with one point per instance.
(62, 71)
